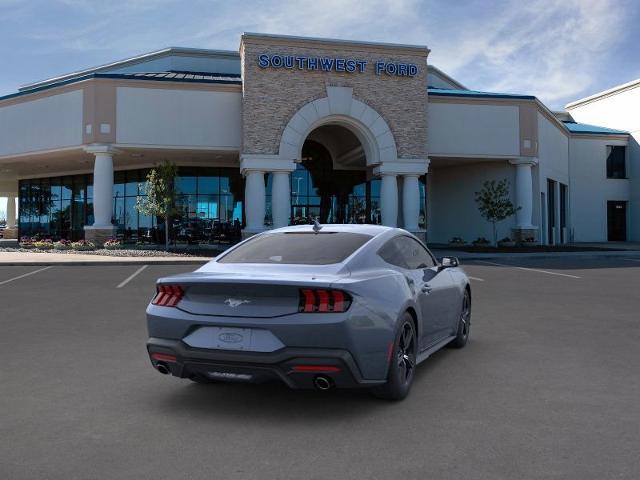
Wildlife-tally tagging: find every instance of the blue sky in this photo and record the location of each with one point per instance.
(557, 50)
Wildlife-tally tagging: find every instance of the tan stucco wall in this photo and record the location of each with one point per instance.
(272, 96)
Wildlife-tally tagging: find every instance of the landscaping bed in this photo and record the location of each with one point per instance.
(121, 252)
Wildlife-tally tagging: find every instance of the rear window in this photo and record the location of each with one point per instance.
(301, 248)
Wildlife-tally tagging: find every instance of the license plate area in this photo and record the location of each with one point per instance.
(233, 338)
(229, 338)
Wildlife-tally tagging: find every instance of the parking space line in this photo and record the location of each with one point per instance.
(529, 269)
(633, 259)
(475, 278)
(25, 275)
(132, 276)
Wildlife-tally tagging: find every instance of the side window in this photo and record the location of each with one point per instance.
(616, 161)
(415, 255)
(391, 253)
(405, 252)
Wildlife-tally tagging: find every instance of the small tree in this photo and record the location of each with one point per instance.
(160, 193)
(494, 203)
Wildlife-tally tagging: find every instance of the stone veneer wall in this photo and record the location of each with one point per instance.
(271, 96)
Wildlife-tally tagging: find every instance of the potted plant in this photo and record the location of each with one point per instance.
(83, 245)
(112, 244)
(457, 242)
(506, 242)
(62, 245)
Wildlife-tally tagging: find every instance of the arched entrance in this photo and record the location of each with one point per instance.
(332, 181)
(338, 161)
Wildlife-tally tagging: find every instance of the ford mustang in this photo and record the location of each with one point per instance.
(314, 306)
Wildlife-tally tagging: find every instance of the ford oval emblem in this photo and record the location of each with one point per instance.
(229, 337)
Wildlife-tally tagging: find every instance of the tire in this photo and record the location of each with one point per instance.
(464, 323)
(403, 362)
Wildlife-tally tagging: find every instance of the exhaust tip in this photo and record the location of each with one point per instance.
(322, 383)
(163, 368)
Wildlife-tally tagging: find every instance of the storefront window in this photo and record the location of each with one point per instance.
(210, 202)
(422, 217)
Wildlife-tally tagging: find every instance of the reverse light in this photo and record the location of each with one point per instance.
(168, 295)
(314, 300)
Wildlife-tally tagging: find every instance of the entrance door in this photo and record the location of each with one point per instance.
(617, 221)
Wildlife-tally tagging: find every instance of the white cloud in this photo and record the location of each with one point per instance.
(547, 48)
(554, 49)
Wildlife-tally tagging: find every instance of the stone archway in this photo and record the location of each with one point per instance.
(340, 108)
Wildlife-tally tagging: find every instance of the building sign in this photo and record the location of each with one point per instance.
(331, 64)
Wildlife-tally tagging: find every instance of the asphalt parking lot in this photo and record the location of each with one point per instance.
(548, 387)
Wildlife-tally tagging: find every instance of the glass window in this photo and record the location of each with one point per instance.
(90, 186)
(119, 179)
(208, 185)
(302, 248)
(406, 252)
(392, 254)
(422, 217)
(186, 184)
(131, 216)
(61, 206)
(67, 188)
(616, 162)
(131, 185)
(79, 187)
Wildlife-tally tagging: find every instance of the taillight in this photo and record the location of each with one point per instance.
(168, 295)
(320, 300)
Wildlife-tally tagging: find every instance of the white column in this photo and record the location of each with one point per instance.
(103, 189)
(410, 202)
(11, 211)
(524, 192)
(389, 199)
(254, 199)
(280, 199)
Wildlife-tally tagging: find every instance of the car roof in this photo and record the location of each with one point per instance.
(373, 230)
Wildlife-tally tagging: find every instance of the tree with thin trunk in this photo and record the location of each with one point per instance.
(160, 195)
(494, 203)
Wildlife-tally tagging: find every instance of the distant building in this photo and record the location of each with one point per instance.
(290, 128)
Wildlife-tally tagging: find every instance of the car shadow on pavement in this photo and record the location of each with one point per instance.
(276, 402)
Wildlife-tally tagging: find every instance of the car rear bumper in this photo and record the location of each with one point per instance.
(296, 367)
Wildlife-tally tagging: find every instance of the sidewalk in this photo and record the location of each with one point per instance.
(439, 253)
(45, 259)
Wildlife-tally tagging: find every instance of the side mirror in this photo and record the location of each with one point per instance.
(449, 262)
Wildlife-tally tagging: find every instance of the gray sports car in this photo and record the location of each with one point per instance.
(313, 306)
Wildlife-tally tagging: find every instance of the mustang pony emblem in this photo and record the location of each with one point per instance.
(235, 302)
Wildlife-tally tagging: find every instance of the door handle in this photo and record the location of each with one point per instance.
(426, 288)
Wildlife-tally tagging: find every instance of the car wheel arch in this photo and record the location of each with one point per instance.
(414, 315)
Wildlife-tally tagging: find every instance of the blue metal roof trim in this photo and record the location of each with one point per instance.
(474, 93)
(229, 79)
(575, 127)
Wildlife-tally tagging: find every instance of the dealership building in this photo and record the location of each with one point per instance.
(292, 128)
